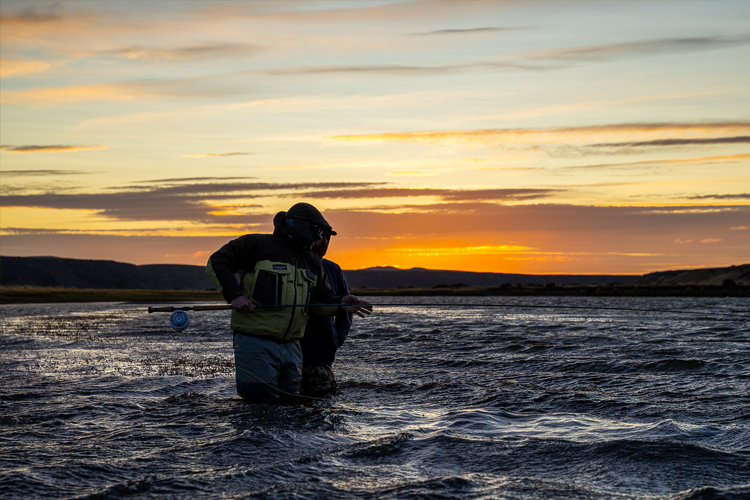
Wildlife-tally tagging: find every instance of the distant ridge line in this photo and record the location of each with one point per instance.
(109, 274)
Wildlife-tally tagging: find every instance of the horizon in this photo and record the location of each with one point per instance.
(376, 268)
(505, 137)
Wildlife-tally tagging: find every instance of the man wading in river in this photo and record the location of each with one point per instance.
(275, 269)
(324, 335)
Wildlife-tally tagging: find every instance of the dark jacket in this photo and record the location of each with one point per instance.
(324, 334)
(273, 269)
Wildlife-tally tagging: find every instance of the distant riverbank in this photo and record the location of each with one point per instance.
(31, 295)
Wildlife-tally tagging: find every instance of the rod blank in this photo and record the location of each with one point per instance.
(225, 307)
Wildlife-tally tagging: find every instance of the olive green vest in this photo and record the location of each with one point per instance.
(275, 283)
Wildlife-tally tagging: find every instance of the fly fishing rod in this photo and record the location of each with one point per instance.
(179, 319)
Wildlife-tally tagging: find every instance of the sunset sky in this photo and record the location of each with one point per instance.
(520, 137)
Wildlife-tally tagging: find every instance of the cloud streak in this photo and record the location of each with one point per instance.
(667, 162)
(466, 31)
(676, 142)
(742, 196)
(627, 133)
(195, 52)
(219, 155)
(218, 202)
(50, 149)
(41, 173)
(642, 47)
(224, 202)
(10, 67)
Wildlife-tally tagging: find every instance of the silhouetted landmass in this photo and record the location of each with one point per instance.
(391, 277)
(739, 275)
(108, 274)
(51, 279)
(103, 274)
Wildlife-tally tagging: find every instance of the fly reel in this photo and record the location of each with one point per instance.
(179, 320)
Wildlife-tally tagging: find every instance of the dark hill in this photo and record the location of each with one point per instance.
(104, 274)
(108, 274)
(390, 277)
(740, 275)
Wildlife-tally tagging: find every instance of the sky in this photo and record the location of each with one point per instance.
(517, 137)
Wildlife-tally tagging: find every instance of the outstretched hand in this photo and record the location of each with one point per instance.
(357, 306)
(243, 305)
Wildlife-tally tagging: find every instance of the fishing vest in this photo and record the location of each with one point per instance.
(271, 283)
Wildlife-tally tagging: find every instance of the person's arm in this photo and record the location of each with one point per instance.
(223, 265)
(350, 303)
(343, 320)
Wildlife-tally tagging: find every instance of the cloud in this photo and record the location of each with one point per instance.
(738, 228)
(217, 202)
(615, 139)
(111, 121)
(666, 162)
(531, 61)
(499, 194)
(10, 67)
(743, 196)
(412, 173)
(465, 31)
(191, 179)
(39, 173)
(208, 155)
(711, 240)
(50, 149)
(132, 91)
(395, 69)
(644, 47)
(676, 142)
(682, 241)
(186, 53)
(445, 194)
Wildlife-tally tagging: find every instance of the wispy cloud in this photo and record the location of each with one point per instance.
(677, 142)
(641, 47)
(192, 179)
(9, 67)
(186, 53)
(413, 173)
(209, 155)
(222, 202)
(556, 140)
(742, 196)
(445, 194)
(466, 31)
(41, 173)
(396, 69)
(132, 91)
(664, 162)
(50, 149)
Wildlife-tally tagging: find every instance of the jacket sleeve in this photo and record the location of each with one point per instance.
(343, 320)
(228, 260)
(324, 294)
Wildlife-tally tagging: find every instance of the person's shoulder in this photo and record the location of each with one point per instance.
(329, 264)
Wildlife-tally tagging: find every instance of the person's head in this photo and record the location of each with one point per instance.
(321, 246)
(303, 223)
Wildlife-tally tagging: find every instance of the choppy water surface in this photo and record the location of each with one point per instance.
(105, 401)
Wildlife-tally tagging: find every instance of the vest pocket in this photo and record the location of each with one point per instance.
(269, 283)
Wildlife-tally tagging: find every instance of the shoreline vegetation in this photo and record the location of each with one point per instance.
(41, 295)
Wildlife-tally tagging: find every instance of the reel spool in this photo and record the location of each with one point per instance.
(179, 320)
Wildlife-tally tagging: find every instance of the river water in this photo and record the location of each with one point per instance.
(105, 401)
